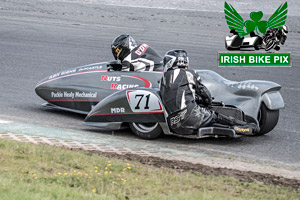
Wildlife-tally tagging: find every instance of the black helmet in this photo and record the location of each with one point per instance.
(233, 31)
(122, 45)
(176, 58)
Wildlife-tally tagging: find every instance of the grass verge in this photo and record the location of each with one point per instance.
(29, 171)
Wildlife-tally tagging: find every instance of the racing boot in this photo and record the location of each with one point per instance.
(227, 120)
(243, 130)
(240, 127)
(249, 129)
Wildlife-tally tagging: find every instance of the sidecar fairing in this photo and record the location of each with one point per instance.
(246, 95)
(89, 88)
(142, 109)
(235, 42)
(81, 88)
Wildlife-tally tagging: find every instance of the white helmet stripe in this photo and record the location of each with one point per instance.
(170, 62)
(176, 73)
(183, 104)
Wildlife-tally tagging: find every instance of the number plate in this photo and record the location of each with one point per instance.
(142, 101)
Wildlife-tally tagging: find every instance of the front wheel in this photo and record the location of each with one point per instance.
(270, 45)
(148, 131)
(267, 119)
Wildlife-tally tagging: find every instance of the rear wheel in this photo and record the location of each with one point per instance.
(267, 119)
(148, 131)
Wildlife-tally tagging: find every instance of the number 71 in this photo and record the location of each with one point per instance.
(141, 96)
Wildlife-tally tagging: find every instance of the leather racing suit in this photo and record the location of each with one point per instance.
(142, 58)
(179, 90)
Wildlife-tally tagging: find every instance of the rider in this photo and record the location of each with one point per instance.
(134, 57)
(277, 35)
(182, 94)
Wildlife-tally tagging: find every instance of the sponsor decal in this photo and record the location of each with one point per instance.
(248, 86)
(142, 49)
(116, 86)
(242, 129)
(255, 33)
(57, 94)
(54, 76)
(73, 95)
(117, 110)
(73, 71)
(110, 78)
(243, 86)
(142, 101)
(86, 95)
(89, 68)
(176, 119)
(68, 72)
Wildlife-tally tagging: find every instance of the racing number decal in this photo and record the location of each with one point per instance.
(143, 101)
(147, 101)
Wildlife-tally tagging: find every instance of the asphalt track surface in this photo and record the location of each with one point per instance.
(40, 38)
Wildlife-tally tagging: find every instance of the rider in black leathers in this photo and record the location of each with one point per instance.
(277, 36)
(182, 94)
(133, 57)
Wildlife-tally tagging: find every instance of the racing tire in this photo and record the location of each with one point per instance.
(267, 119)
(270, 45)
(148, 131)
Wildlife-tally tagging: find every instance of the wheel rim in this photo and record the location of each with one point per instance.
(145, 127)
(270, 44)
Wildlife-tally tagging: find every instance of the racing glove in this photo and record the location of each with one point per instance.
(114, 66)
(205, 95)
(203, 92)
(127, 66)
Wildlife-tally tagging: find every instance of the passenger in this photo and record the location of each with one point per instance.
(186, 99)
(133, 57)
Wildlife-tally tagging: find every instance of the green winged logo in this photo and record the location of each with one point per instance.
(243, 28)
